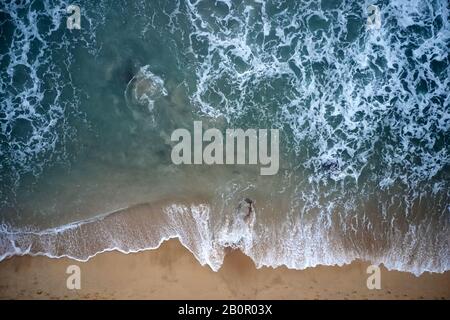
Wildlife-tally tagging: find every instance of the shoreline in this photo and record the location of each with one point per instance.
(146, 226)
(172, 272)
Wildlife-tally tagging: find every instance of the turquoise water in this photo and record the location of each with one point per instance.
(86, 118)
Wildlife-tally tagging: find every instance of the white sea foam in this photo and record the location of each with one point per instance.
(32, 81)
(344, 88)
(22, 101)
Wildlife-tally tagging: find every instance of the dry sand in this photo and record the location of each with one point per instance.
(171, 272)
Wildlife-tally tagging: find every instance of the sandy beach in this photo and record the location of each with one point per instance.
(172, 272)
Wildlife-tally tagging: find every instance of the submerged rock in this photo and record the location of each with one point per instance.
(246, 211)
(237, 230)
(143, 89)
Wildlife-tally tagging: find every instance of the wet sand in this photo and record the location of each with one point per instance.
(172, 272)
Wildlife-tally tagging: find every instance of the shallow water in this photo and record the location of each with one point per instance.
(86, 117)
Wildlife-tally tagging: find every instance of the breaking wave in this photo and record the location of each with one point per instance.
(298, 245)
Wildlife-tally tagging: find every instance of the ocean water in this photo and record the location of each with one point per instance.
(364, 116)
